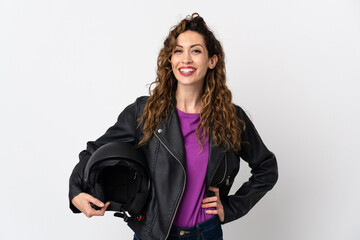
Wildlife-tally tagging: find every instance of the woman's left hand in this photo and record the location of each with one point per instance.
(214, 202)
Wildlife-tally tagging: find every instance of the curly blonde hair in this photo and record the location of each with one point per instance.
(217, 113)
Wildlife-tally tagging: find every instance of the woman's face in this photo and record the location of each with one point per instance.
(190, 60)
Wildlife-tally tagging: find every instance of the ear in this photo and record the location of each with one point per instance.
(213, 61)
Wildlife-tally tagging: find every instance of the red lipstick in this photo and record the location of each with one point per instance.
(187, 71)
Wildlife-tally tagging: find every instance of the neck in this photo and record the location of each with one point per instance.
(188, 99)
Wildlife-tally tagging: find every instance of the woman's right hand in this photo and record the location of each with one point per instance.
(82, 202)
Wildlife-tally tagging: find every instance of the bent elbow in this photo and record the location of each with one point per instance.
(274, 172)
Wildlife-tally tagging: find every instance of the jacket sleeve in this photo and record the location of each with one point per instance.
(124, 130)
(263, 169)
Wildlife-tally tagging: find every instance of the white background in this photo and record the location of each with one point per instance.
(68, 68)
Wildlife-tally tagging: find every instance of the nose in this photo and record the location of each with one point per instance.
(187, 58)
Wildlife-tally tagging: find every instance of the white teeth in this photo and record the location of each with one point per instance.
(187, 70)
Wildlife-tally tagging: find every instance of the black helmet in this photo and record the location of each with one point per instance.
(117, 173)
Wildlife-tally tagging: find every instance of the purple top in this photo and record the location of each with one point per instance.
(190, 211)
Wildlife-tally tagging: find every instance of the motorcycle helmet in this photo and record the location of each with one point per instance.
(117, 173)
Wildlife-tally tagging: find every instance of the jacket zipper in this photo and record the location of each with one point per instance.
(227, 183)
(177, 206)
(224, 172)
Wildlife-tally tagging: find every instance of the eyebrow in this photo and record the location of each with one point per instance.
(194, 45)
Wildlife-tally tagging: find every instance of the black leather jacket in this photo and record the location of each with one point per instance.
(166, 160)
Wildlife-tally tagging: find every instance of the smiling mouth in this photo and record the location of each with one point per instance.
(187, 71)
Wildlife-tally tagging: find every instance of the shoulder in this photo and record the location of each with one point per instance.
(240, 112)
(140, 102)
(142, 99)
(133, 110)
(244, 119)
(138, 105)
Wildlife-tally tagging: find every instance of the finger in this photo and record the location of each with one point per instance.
(214, 189)
(98, 213)
(95, 201)
(105, 207)
(95, 213)
(208, 205)
(211, 212)
(101, 211)
(89, 212)
(210, 199)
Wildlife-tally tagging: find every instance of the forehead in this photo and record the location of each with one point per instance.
(189, 38)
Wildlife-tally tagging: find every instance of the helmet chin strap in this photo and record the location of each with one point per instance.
(125, 215)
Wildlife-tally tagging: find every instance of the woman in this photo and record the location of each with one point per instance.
(193, 137)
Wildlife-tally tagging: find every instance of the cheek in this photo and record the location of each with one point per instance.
(173, 63)
(204, 67)
(174, 60)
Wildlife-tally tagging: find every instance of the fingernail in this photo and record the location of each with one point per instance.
(101, 204)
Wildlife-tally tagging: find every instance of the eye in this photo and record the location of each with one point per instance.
(197, 51)
(177, 51)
